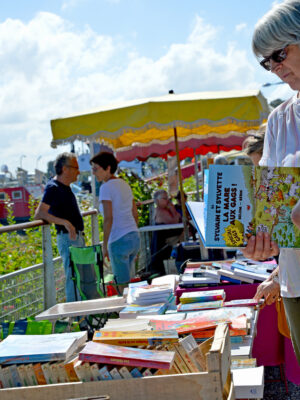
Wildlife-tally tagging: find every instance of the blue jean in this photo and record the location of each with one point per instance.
(122, 253)
(63, 244)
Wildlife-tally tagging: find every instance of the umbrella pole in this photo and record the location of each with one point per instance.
(196, 176)
(184, 218)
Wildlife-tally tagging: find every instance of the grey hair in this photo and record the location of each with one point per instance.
(277, 29)
(158, 193)
(61, 160)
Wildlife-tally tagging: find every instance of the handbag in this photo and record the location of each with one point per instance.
(283, 326)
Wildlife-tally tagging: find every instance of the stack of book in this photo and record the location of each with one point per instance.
(144, 299)
(201, 300)
(190, 279)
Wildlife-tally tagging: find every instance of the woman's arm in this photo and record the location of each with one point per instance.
(135, 212)
(107, 224)
(269, 289)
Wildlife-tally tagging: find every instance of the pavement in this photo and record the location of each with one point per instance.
(275, 388)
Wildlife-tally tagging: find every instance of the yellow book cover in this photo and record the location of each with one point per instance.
(39, 374)
(136, 338)
(69, 367)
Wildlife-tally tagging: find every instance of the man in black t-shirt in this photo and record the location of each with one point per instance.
(59, 206)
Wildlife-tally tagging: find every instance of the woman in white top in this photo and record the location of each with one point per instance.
(276, 40)
(121, 240)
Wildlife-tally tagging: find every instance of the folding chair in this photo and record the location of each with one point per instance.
(89, 280)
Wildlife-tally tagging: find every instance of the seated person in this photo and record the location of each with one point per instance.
(165, 212)
(161, 244)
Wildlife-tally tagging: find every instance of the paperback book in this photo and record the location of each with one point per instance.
(202, 296)
(136, 338)
(129, 356)
(204, 305)
(241, 200)
(20, 349)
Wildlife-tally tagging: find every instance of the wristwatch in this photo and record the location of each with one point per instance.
(275, 278)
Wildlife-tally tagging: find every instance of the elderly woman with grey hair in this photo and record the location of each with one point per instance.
(276, 42)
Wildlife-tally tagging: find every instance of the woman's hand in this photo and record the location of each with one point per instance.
(260, 247)
(268, 289)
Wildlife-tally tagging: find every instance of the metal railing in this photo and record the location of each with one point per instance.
(30, 290)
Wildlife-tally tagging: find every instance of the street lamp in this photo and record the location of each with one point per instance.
(37, 160)
(21, 158)
(271, 84)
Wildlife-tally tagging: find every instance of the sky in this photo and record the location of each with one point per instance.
(60, 57)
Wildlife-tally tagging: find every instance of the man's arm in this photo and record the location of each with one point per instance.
(107, 224)
(42, 212)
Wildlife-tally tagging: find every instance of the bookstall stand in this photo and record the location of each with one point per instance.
(213, 384)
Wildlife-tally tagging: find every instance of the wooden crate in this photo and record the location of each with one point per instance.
(214, 384)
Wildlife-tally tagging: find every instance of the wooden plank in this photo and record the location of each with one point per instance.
(218, 358)
(194, 386)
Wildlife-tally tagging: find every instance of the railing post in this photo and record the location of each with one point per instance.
(95, 229)
(49, 280)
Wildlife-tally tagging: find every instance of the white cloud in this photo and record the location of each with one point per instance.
(240, 27)
(48, 70)
(71, 4)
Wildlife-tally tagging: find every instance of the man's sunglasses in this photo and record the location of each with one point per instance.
(277, 56)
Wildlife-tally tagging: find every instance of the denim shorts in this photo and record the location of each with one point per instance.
(122, 255)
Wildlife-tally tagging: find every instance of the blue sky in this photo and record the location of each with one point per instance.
(64, 56)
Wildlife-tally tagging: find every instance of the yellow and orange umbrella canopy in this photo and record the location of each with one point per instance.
(141, 126)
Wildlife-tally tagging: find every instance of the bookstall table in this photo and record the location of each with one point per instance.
(82, 308)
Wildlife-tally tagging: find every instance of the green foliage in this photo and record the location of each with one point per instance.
(141, 191)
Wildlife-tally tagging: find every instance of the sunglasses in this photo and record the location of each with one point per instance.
(277, 56)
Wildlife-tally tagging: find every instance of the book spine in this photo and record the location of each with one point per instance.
(102, 359)
(23, 375)
(54, 372)
(136, 373)
(70, 371)
(15, 376)
(147, 372)
(47, 373)
(39, 374)
(31, 375)
(136, 342)
(95, 372)
(88, 372)
(105, 375)
(80, 371)
(115, 374)
(7, 378)
(124, 372)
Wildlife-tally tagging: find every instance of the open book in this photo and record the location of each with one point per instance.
(241, 200)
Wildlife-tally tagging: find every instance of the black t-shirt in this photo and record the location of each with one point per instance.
(63, 204)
